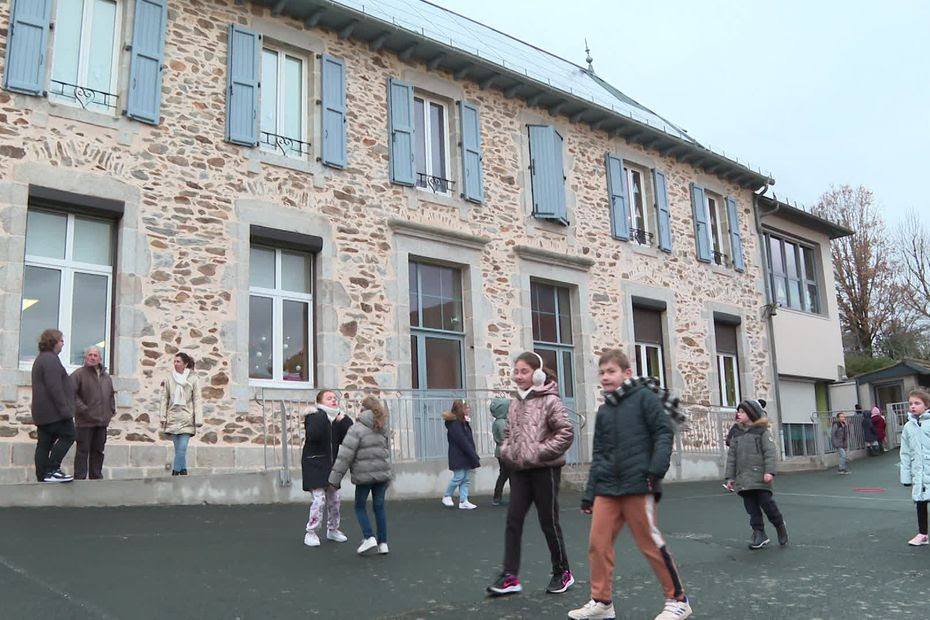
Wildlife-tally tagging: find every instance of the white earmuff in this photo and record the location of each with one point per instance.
(539, 375)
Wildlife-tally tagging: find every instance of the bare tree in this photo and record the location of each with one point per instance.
(868, 292)
(912, 239)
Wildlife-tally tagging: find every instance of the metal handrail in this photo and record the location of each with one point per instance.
(84, 95)
(285, 144)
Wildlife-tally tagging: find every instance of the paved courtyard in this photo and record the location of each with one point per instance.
(848, 558)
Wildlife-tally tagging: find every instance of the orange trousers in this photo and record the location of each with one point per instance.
(609, 515)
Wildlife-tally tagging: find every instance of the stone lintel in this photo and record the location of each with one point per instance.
(548, 257)
(435, 233)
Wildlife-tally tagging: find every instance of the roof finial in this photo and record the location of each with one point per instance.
(588, 60)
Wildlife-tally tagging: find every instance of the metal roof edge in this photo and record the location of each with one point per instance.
(805, 218)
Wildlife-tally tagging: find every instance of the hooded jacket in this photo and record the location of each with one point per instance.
(499, 409)
(364, 452)
(322, 439)
(539, 432)
(915, 456)
(878, 422)
(751, 456)
(95, 401)
(868, 429)
(462, 452)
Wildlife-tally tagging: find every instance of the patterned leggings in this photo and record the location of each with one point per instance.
(329, 497)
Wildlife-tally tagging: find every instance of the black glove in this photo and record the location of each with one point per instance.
(907, 485)
(586, 505)
(652, 482)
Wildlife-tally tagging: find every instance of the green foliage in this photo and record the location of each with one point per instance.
(859, 363)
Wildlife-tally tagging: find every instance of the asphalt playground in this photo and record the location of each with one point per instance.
(847, 558)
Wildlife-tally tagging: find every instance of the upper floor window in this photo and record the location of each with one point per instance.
(437, 330)
(552, 334)
(86, 54)
(283, 104)
(647, 333)
(727, 363)
(716, 218)
(431, 145)
(639, 221)
(793, 273)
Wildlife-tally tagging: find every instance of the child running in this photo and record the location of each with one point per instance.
(915, 459)
(751, 470)
(633, 438)
(462, 454)
(538, 435)
(499, 408)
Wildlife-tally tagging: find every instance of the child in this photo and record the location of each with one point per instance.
(633, 438)
(462, 454)
(751, 469)
(499, 408)
(915, 449)
(365, 452)
(325, 428)
(840, 439)
(538, 435)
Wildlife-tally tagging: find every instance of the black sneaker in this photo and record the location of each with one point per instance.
(759, 539)
(58, 476)
(505, 584)
(782, 531)
(560, 582)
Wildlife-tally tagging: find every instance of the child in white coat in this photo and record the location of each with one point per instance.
(915, 453)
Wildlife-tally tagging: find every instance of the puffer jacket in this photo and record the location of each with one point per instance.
(915, 456)
(633, 442)
(462, 452)
(499, 409)
(184, 420)
(539, 432)
(840, 435)
(751, 456)
(364, 452)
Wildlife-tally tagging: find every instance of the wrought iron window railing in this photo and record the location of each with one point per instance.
(82, 95)
(288, 146)
(721, 259)
(642, 237)
(435, 184)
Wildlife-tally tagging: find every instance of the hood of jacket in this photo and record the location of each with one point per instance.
(549, 389)
(367, 417)
(448, 417)
(920, 419)
(499, 408)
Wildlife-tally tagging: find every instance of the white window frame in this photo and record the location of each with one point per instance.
(279, 81)
(68, 268)
(428, 143)
(716, 227)
(723, 379)
(278, 296)
(629, 171)
(800, 275)
(641, 350)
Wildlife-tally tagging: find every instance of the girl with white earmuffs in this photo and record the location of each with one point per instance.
(538, 435)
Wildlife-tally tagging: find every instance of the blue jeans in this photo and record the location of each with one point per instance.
(842, 453)
(180, 451)
(377, 491)
(460, 480)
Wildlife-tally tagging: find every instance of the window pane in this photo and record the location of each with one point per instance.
(712, 217)
(295, 272)
(45, 234)
(414, 295)
(781, 290)
(41, 299)
(807, 256)
(791, 260)
(812, 302)
(414, 363)
(547, 328)
(102, 40)
(550, 359)
(93, 242)
(654, 361)
(67, 52)
(296, 346)
(568, 376)
(640, 361)
(260, 334)
(729, 374)
(565, 316)
(430, 277)
(777, 258)
(293, 97)
(794, 294)
(443, 364)
(89, 311)
(637, 211)
(452, 319)
(432, 311)
(437, 140)
(419, 137)
(545, 298)
(269, 91)
(261, 267)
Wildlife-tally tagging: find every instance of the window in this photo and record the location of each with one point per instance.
(552, 333)
(431, 145)
(437, 336)
(280, 315)
(283, 104)
(647, 333)
(799, 439)
(639, 222)
(793, 273)
(715, 218)
(67, 283)
(85, 58)
(727, 364)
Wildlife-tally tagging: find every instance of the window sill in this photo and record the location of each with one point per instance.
(98, 119)
(280, 385)
(645, 250)
(721, 270)
(812, 315)
(283, 161)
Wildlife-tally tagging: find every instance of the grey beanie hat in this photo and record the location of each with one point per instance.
(753, 408)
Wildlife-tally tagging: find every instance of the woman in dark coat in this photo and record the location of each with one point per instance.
(868, 434)
(325, 427)
(462, 454)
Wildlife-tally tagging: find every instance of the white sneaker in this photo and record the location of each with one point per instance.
(383, 548)
(467, 505)
(367, 545)
(675, 610)
(447, 501)
(336, 536)
(311, 539)
(594, 611)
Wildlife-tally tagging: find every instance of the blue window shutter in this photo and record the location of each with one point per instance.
(243, 67)
(617, 195)
(26, 46)
(701, 225)
(333, 104)
(548, 175)
(148, 56)
(472, 172)
(400, 131)
(663, 215)
(736, 239)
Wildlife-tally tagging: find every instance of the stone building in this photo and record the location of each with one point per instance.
(308, 193)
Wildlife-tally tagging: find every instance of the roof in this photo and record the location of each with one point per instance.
(903, 368)
(802, 217)
(420, 31)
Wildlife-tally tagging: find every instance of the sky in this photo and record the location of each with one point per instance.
(817, 93)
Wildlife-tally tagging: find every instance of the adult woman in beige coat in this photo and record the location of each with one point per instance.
(181, 408)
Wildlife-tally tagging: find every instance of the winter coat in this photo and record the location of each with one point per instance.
(915, 456)
(751, 456)
(730, 434)
(95, 401)
(840, 435)
(499, 408)
(365, 452)
(52, 390)
(878, 422)
(538, 430)
(322, 439)
(868, 429)
(632, 445)
(462, 452)
(186, 418)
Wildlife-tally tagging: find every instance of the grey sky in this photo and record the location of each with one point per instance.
(815, 92)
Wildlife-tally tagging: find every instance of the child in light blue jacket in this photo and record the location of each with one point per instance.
(915, 459)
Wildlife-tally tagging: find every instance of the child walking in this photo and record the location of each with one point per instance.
(499, 408)
(915, 448)
(751, 471)
(462, 454)
(633, 438)
(326, 426)
(366, 452)
(538, 435)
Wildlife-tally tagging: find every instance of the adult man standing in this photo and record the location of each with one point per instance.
(95, 405)
(52, 408)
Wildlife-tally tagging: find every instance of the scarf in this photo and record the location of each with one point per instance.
(330, 412)
(180, 380)
(671, 405)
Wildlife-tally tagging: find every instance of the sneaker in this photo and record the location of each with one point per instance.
(466, 505)
(675, 610)
(311, 539)
(919, 540)
(336, 536)
(593, 610)
(447, 501)
(759, 539)
(505, 584)
(367, 545)
(560, 583)
(383, 549)
(58, 476)
(782, 531)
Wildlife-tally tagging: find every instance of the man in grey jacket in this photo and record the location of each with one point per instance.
(52, 408)
(95, 406)
(840, 440)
